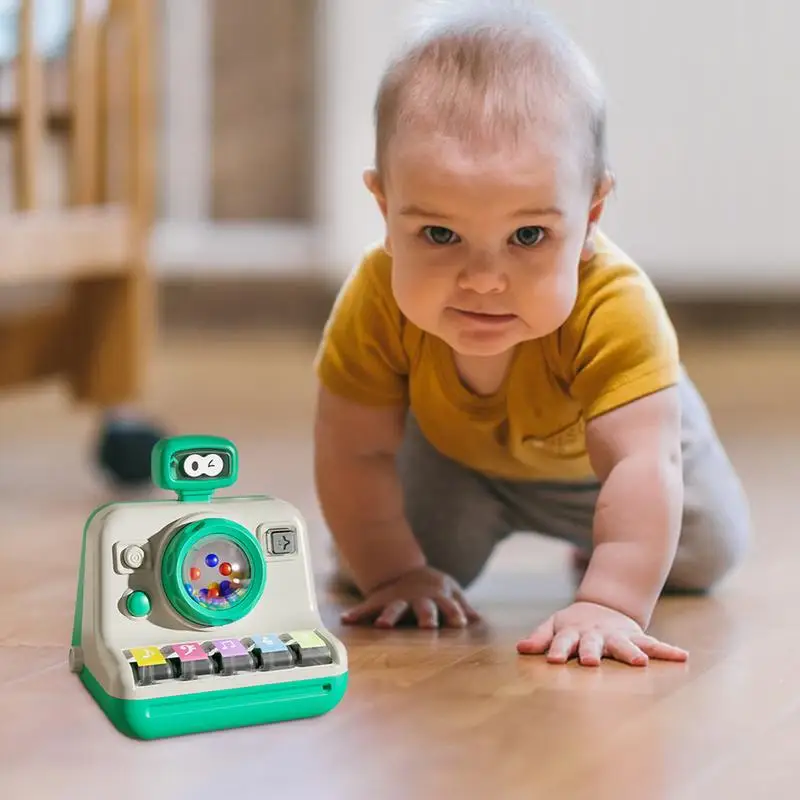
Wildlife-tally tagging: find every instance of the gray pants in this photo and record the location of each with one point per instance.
(459, 515)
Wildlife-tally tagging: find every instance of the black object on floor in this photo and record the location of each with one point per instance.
(124, 448)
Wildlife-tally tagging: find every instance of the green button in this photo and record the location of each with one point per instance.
(138, 604)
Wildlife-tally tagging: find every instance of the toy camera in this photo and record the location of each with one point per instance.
(199, 613)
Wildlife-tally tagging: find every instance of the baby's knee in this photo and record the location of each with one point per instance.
(714, 541)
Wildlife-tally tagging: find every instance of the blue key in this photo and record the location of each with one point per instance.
(271, 651)
(269, 643)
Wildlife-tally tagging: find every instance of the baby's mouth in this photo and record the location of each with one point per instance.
(486, 317)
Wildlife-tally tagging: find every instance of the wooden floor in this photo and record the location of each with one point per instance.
(427, 714)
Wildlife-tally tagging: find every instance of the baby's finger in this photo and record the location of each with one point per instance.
(564, 646)
(623, 649)
(538, 642)
(472, 614)
(426, 612)
(454, 615)
(363, 611)
(660, 650)
(590, 649)
(391, 614)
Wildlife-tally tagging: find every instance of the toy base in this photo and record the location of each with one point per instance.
(217, 710)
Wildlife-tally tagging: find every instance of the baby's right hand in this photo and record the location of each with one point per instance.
(426, 592)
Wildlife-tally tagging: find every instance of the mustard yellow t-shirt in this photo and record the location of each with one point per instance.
(617, 345)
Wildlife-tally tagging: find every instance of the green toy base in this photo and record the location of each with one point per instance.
(218, 710)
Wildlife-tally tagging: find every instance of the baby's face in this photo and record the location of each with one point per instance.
(485, 245)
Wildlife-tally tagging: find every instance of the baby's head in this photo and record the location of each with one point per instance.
(490, 171)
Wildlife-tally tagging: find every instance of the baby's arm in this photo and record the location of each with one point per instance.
(359, 488)
(623, 367)
(363, 365)
(360, 492)
(636, 453)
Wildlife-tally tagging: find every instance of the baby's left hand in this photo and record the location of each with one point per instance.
(592, 632)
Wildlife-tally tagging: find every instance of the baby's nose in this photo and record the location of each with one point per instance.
(483, 276)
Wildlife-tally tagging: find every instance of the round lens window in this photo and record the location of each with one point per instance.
(216, 573)
(213, 571)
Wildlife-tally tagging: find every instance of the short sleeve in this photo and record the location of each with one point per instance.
(361, 355)
(620, 343)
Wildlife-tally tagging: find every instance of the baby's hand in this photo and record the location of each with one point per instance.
(426, 592)
(592, 632)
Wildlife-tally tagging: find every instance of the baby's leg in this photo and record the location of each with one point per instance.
(716, 520)
(455, 513)
(452, 511)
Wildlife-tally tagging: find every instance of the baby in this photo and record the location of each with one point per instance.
(498, 364)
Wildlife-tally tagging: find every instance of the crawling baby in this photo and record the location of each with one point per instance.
(497, 364)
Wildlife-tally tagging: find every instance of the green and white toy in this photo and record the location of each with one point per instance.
(199, 613)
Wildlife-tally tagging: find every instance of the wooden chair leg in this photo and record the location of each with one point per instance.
(112, 317)
(32, 348)
(110, 324)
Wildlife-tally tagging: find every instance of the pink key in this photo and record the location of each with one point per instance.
(189, 651)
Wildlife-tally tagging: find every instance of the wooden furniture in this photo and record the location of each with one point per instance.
(94, 243)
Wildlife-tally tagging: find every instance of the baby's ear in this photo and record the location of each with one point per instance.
(373, 183)
(604, 188)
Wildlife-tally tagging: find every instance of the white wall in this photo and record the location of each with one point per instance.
(704, 113)
(355, 37)
(705, 109)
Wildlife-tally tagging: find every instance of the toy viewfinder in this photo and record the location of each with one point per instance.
(195, 466)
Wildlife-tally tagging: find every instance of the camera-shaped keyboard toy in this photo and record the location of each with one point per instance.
(200, 613)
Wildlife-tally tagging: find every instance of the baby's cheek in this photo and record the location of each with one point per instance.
(409, 288)
(549, 301)
(422, 296)
(565, 294)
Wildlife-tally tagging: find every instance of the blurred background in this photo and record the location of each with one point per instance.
(258, 130)
(266, 128)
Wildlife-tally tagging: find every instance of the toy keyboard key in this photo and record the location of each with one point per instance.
(189, 660)
(309, 647)
(149, 665)
(271, 652)
(231, 656)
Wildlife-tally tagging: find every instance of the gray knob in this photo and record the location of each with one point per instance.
(133, 556)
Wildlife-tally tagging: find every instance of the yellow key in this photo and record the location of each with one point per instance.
(307, 638)
(147, 656)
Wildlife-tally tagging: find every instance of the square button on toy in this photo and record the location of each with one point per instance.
(271, 652)
(309, 647)
(231, 656)
(188, 660)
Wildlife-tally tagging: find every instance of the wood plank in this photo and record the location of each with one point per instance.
(112, 319)
(54, 121)
(30, 90)
(32, 347)
(85, 179)
(65, 245)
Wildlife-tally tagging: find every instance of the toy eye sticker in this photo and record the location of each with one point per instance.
(196, 465)
(214, 465)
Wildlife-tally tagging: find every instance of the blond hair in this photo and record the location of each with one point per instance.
(485, 70)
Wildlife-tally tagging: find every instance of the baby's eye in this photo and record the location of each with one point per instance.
(438, 235)
(529, 236)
